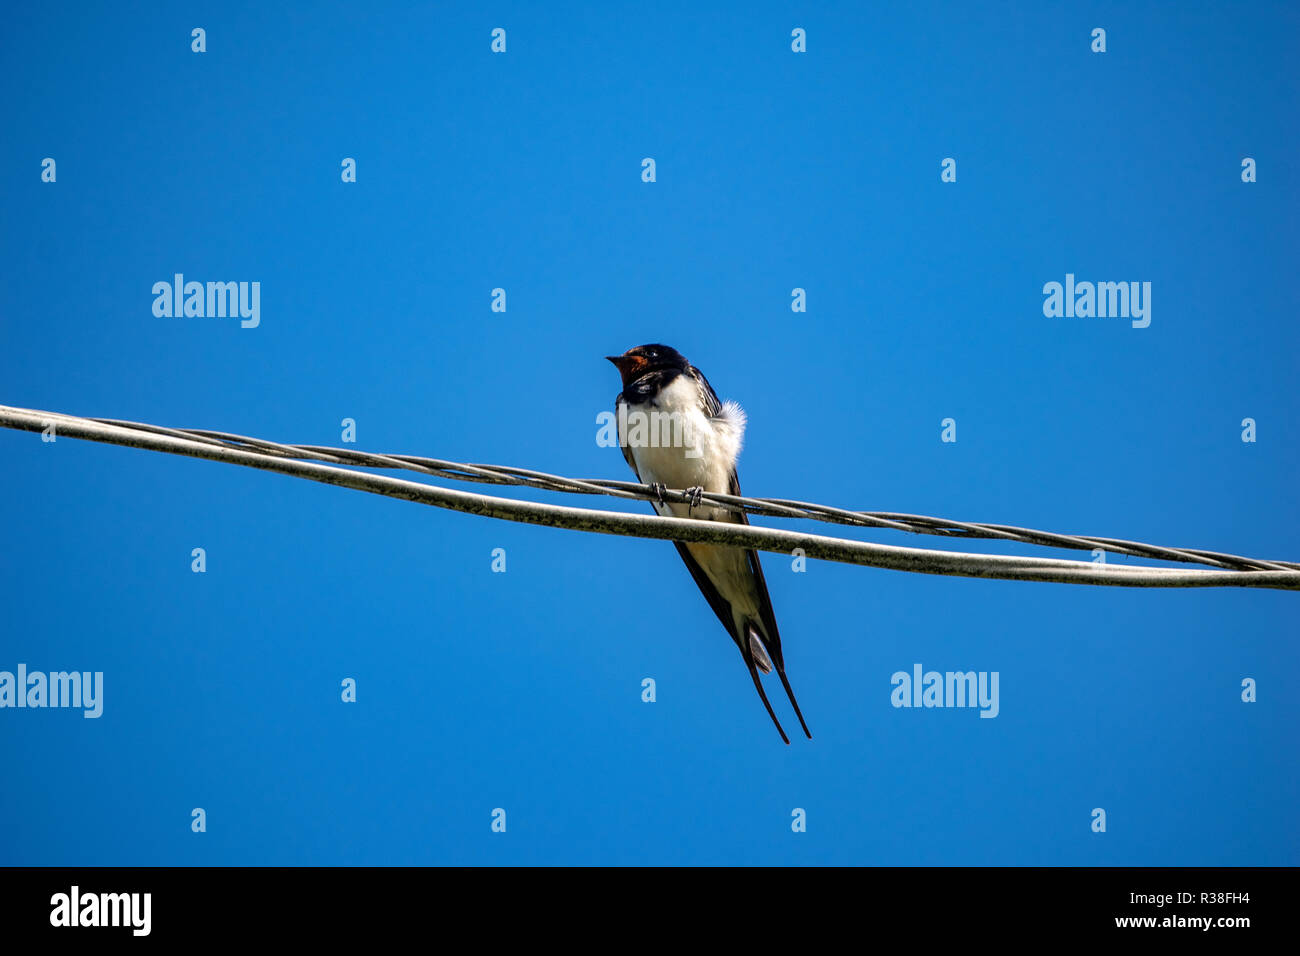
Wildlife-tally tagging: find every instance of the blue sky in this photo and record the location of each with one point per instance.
(522, 171)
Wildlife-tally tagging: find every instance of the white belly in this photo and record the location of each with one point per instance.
(672, 442)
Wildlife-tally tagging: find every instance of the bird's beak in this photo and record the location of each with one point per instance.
(629, 366)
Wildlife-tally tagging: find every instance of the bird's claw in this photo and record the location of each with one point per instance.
(695, 494)
(658, 488)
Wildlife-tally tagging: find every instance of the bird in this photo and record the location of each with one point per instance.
(675, 433)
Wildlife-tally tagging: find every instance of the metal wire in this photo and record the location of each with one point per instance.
(770, 507)
(1234, 570)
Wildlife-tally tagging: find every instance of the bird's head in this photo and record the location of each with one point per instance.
(636, 362)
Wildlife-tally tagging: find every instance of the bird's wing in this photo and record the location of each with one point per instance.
(712, 406)
(721, 606)
(770, 636)
(622, 444)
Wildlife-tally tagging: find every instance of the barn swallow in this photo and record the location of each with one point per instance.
(676, 434)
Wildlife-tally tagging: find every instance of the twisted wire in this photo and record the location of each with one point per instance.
(319, 463)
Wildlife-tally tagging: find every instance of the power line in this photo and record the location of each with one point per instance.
(320, 463)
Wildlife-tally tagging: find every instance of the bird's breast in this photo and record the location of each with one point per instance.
(672, 441)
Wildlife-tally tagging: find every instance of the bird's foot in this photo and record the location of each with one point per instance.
(695, 494)
(658, 488)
